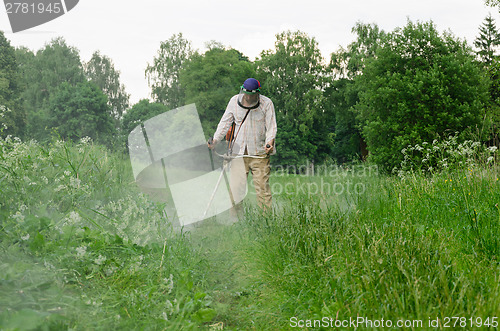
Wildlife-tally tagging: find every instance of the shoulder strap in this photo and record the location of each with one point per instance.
(231, 142)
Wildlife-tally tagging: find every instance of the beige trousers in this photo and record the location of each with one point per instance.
(261, 170)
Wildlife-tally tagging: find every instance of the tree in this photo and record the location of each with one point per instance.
(293, 75)
(100, 70)
(211, 79)
(163, 74)
(137, 115)
(52, 65)
(493, 3)
(81, 110)
(419, 86)
(342, 94)
(12, 115)
(488, 40)
(350, 62)
(140, 112)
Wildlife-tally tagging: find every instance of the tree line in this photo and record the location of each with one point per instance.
(379, 94)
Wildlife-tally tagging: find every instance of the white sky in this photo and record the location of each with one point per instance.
(130, 32)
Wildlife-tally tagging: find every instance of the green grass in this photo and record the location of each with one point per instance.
(417, 248)
(82, 249)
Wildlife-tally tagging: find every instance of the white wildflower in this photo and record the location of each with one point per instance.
(80, 251)
(489, 159)
(73, 218)
(100, 260)
(169, 306)
(164, 316)
(67, 173)
(492, 149)
(169, 283)
(18, 217)
(85, 140)
(74, 182)
(44, 179)
(26, 237)
(59, 188)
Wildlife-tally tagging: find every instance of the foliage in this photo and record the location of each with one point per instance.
(493, 3)
(445, 155)
(140, 112)
(79, 111)
(293, 76)
(12, 115)
(351, 62)
(343, 94)
(83, 249)
(163, 73)
(42, 74)
(419, 85)
(488, 40)
(211, 79)
(412, 248)
(100, 70)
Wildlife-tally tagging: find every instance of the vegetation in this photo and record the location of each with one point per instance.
(397, 219)
(82, 249)
(353, 108)
(419, 86)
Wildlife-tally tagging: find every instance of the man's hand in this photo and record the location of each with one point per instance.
(269, 148)
(211, 143)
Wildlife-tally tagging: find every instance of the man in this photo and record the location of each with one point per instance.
(254, 133)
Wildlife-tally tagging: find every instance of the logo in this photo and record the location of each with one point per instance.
(172, 163)
(26, 14)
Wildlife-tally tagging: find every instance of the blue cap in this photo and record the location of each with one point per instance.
(251, 85)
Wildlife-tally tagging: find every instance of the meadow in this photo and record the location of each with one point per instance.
(83, 249)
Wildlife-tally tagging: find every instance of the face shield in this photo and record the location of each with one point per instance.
(248, 99)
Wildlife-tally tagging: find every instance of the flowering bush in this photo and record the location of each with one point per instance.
(445, 154)
(74, 186)
(72, 213)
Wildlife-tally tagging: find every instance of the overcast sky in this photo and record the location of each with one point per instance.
(130, 32)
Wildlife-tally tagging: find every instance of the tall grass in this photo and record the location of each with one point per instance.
(83, 249)
(418, 247)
